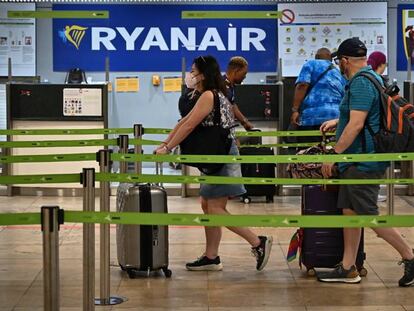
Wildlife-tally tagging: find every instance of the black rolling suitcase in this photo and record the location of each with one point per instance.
(323, 247)
(257, 170)
(142, 248)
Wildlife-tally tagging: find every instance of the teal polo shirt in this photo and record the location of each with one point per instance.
(361, 94)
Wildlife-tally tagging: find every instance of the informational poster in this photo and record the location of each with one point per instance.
(405, 36)
(172, 84)
(127, 84)
(306, 27)
(82, 102)
(17, 40)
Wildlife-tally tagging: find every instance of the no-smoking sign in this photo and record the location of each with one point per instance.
(287, 17)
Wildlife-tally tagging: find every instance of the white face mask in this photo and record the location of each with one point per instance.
(190, 80)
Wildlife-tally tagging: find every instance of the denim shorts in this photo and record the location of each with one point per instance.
(210, 191)
(362, 199)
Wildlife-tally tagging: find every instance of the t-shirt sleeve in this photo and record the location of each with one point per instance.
(362, 94)
(305, 74)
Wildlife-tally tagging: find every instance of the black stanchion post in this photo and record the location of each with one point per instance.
(103, 157)
(184, 168)
(123, 142)
(138, 132)
(51, 218)
(280, 168)
(88, 182)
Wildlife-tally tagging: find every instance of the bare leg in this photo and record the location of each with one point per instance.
(218, 206)
(394, 238)
(352, 237)
(213, 234)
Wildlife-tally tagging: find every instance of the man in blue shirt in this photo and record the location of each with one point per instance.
(318, 92)
(361, 104)
(236, 72)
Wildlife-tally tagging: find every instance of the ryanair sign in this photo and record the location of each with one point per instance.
(155, 38)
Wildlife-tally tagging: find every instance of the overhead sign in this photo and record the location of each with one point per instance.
(156, 37)
(306, 27)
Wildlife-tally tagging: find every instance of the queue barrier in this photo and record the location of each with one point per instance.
(180, 219)
(126, 157)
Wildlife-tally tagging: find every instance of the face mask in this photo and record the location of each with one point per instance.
(190, 80)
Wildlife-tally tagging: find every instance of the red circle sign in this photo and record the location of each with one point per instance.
(287, 17)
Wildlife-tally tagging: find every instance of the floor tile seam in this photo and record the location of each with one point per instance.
(375, 272)
(28, 288)
(287, 263)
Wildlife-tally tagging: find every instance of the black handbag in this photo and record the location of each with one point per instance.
(208, 140)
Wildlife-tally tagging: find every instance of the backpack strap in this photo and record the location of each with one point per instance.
(331, 66)
(380, 90)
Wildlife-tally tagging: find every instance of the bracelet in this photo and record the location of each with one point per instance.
(295, 109)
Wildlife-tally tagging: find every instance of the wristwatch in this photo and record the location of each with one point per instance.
(295, 109)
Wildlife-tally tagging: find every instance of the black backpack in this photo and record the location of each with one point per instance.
(396, 132)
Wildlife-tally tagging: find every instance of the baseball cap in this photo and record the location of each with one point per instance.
(351, 47)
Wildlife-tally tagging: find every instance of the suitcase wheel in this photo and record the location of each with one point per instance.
(311, 272)
(167, 272)
(246, 200)
(362, 271)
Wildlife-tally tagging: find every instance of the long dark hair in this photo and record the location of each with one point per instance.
(208, 66)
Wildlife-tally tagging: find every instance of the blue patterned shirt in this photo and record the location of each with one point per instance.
(322, 102)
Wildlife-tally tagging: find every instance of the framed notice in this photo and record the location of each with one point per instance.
(172, 84)
(17, 40)
(306, 27)
(82, 102)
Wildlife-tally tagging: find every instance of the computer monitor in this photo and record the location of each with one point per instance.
(258, 102)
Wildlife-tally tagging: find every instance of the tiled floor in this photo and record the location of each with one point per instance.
(281, 286)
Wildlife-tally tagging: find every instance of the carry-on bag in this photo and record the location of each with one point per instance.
(265, 170)
(142, 248)
(323, 247)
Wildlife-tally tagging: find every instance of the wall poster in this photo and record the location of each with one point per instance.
(306, 27)
(17, 40)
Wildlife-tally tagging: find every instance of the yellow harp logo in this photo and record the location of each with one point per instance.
(75, 34)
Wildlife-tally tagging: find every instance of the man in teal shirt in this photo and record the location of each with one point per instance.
(360, 105)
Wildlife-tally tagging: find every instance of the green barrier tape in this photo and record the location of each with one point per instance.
(58, 143)
(275, 221)
(49, 158)
(144, 142)
(148, 178)
(287, 145)
(230, 14)
(59, 14)
(68, 131)
(113, 142)
(281, 133)
(40, 179)
(240, 220)
(375, 157)
(251, 134)
(74, 143)
(8, 219)
(156, 131)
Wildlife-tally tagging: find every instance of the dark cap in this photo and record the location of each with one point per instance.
(351, 47)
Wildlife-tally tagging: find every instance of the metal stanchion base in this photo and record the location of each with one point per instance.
(114, 300)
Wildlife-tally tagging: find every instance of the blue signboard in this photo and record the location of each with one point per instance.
(405, 35)
(155, 38)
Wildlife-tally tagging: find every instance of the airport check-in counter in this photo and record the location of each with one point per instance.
(54, 106)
